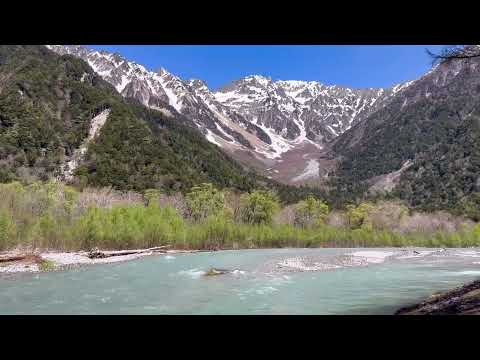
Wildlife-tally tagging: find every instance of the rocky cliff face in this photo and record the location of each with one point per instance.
(299, 110)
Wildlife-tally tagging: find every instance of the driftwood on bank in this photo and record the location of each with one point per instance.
(12, 258)
(20, 257)
(97, 254)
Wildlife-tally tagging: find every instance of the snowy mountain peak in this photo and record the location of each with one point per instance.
(197, 84)
(254, 115)
(162, 71)
(263, 80)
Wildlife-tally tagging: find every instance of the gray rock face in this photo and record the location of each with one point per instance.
(302, 109)
(257, 115)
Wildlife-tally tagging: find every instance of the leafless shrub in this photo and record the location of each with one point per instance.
(26, 173)
(234, 203)
(439, 221)
(387, 215)
(106, 198)
(337, 219)
(285, 216)
(177, 201)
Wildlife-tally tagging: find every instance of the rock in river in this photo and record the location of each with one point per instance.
(214, 271)
(464, 300)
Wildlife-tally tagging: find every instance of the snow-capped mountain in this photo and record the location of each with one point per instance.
(299, 110)
(259, 121)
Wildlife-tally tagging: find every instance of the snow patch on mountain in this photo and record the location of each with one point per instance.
(211, 137)
(311, 171)
(173, 99)
(400, 87)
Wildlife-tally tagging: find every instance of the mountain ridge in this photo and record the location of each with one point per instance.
(257, 120)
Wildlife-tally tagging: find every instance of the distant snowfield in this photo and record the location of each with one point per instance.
(311, 171)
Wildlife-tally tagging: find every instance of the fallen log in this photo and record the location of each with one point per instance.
(97, 254)
(20, 257)
(12, 258)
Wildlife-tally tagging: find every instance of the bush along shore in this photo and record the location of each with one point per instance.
(54, 216)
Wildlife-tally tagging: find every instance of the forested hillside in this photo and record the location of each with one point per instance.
(434, 125)
(46, 103)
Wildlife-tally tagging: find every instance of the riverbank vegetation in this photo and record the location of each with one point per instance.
(51, 215)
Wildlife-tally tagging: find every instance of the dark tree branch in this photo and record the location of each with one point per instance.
(458, 52)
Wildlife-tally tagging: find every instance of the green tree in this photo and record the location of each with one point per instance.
(476, 230)
(259, 206)
(310, 212)
(358, 215)
(204, 200)
(151, 197)
(6, 229)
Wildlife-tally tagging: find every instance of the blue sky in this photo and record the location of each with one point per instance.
(356, 66)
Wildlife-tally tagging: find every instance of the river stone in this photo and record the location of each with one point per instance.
(214, 272)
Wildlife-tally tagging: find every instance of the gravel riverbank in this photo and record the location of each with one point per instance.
(61, 260)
